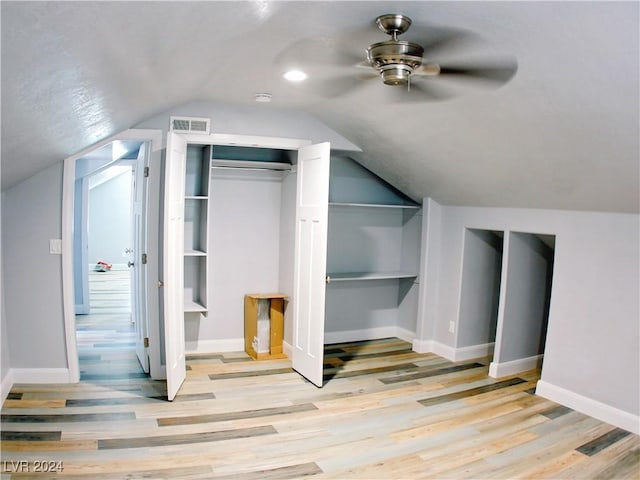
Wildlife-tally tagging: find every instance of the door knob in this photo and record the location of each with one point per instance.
(130, 264)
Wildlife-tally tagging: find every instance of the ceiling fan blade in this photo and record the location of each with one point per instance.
(337, 86)
(437, 41)
(427, 70)
(497, 71)
(317, 51)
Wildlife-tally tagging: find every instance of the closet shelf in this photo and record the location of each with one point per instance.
(372, 205)
(356, 276)
(191, 306)
(195, 253)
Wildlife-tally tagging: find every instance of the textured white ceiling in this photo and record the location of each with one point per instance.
(563, 133)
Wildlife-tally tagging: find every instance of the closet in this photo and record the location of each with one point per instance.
(341, 244)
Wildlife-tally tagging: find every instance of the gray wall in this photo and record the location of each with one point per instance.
(593, 337)
(529, 263)
(5, 361)
(110, 220)
(480, 290)
(31, 213)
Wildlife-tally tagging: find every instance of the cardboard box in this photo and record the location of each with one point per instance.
(276, 319)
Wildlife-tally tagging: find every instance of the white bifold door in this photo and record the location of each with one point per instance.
(175, 171)
(310, 264)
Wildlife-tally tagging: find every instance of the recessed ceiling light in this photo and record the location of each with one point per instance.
(295, 75)
(263, 97)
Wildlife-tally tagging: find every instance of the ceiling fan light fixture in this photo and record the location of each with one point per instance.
(396, 74)
(295, 75)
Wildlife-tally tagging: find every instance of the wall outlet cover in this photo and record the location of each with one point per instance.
(55, 246)
(452, 327)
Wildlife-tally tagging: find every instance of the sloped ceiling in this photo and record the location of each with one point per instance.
(562, 134)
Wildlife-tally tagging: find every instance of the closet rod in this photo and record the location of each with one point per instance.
(250, 165)
(262, 169)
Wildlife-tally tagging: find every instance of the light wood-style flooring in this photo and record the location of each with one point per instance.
(385, 412)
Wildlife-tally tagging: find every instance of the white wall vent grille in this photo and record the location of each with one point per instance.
(190, 125)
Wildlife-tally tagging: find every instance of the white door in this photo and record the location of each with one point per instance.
(174, 179)
(310, 261)
(137, 263)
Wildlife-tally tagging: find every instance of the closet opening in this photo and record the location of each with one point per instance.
(524, 304)
(480, 292)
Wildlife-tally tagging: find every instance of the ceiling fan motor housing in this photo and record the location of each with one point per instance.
(395, 60)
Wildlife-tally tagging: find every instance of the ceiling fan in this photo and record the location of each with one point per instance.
(401, 63)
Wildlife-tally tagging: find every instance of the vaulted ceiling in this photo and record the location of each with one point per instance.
(561, 134)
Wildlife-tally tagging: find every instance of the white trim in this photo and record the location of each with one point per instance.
(287, 349)
(211, 346)
(502, 369)
(7, 383)
(41, 375)
(245, 140)
(451, 353)
(368, 334)
(473, 351)
(68, 181)
(590, 407)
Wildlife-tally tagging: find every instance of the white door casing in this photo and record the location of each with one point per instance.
(310, 262)
(175, 168)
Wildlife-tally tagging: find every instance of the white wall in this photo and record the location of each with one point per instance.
(593, 338)
(31, 213)
(110, 220)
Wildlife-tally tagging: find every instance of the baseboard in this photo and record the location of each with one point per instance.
(7, 383)
(502, 369)
(451, 353)
(211, 346)
(368, 334)
(40, 375)
(287, 349)
(588, 406)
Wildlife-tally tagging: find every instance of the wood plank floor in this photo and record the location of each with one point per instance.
(385, 412)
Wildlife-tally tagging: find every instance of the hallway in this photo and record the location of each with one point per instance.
(106, 337)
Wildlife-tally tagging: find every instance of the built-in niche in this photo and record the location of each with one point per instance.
(524, 303)
(480, 291)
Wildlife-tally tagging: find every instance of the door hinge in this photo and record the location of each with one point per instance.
(160, 284)
(146, 342)
(144, 258)
(146, 171)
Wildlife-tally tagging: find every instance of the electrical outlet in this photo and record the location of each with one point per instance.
(452, 327)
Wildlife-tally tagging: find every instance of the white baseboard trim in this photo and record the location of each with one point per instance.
(473, 351)
(502, 369)
(590, 407)
(451, 353)
(368, 334)
(40, 375)
(287, 349)
(7, 383)
(212, 346)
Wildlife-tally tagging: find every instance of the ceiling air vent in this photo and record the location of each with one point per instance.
(190, 125)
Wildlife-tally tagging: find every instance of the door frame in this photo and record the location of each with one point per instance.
(154, 138)
(173, 383)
